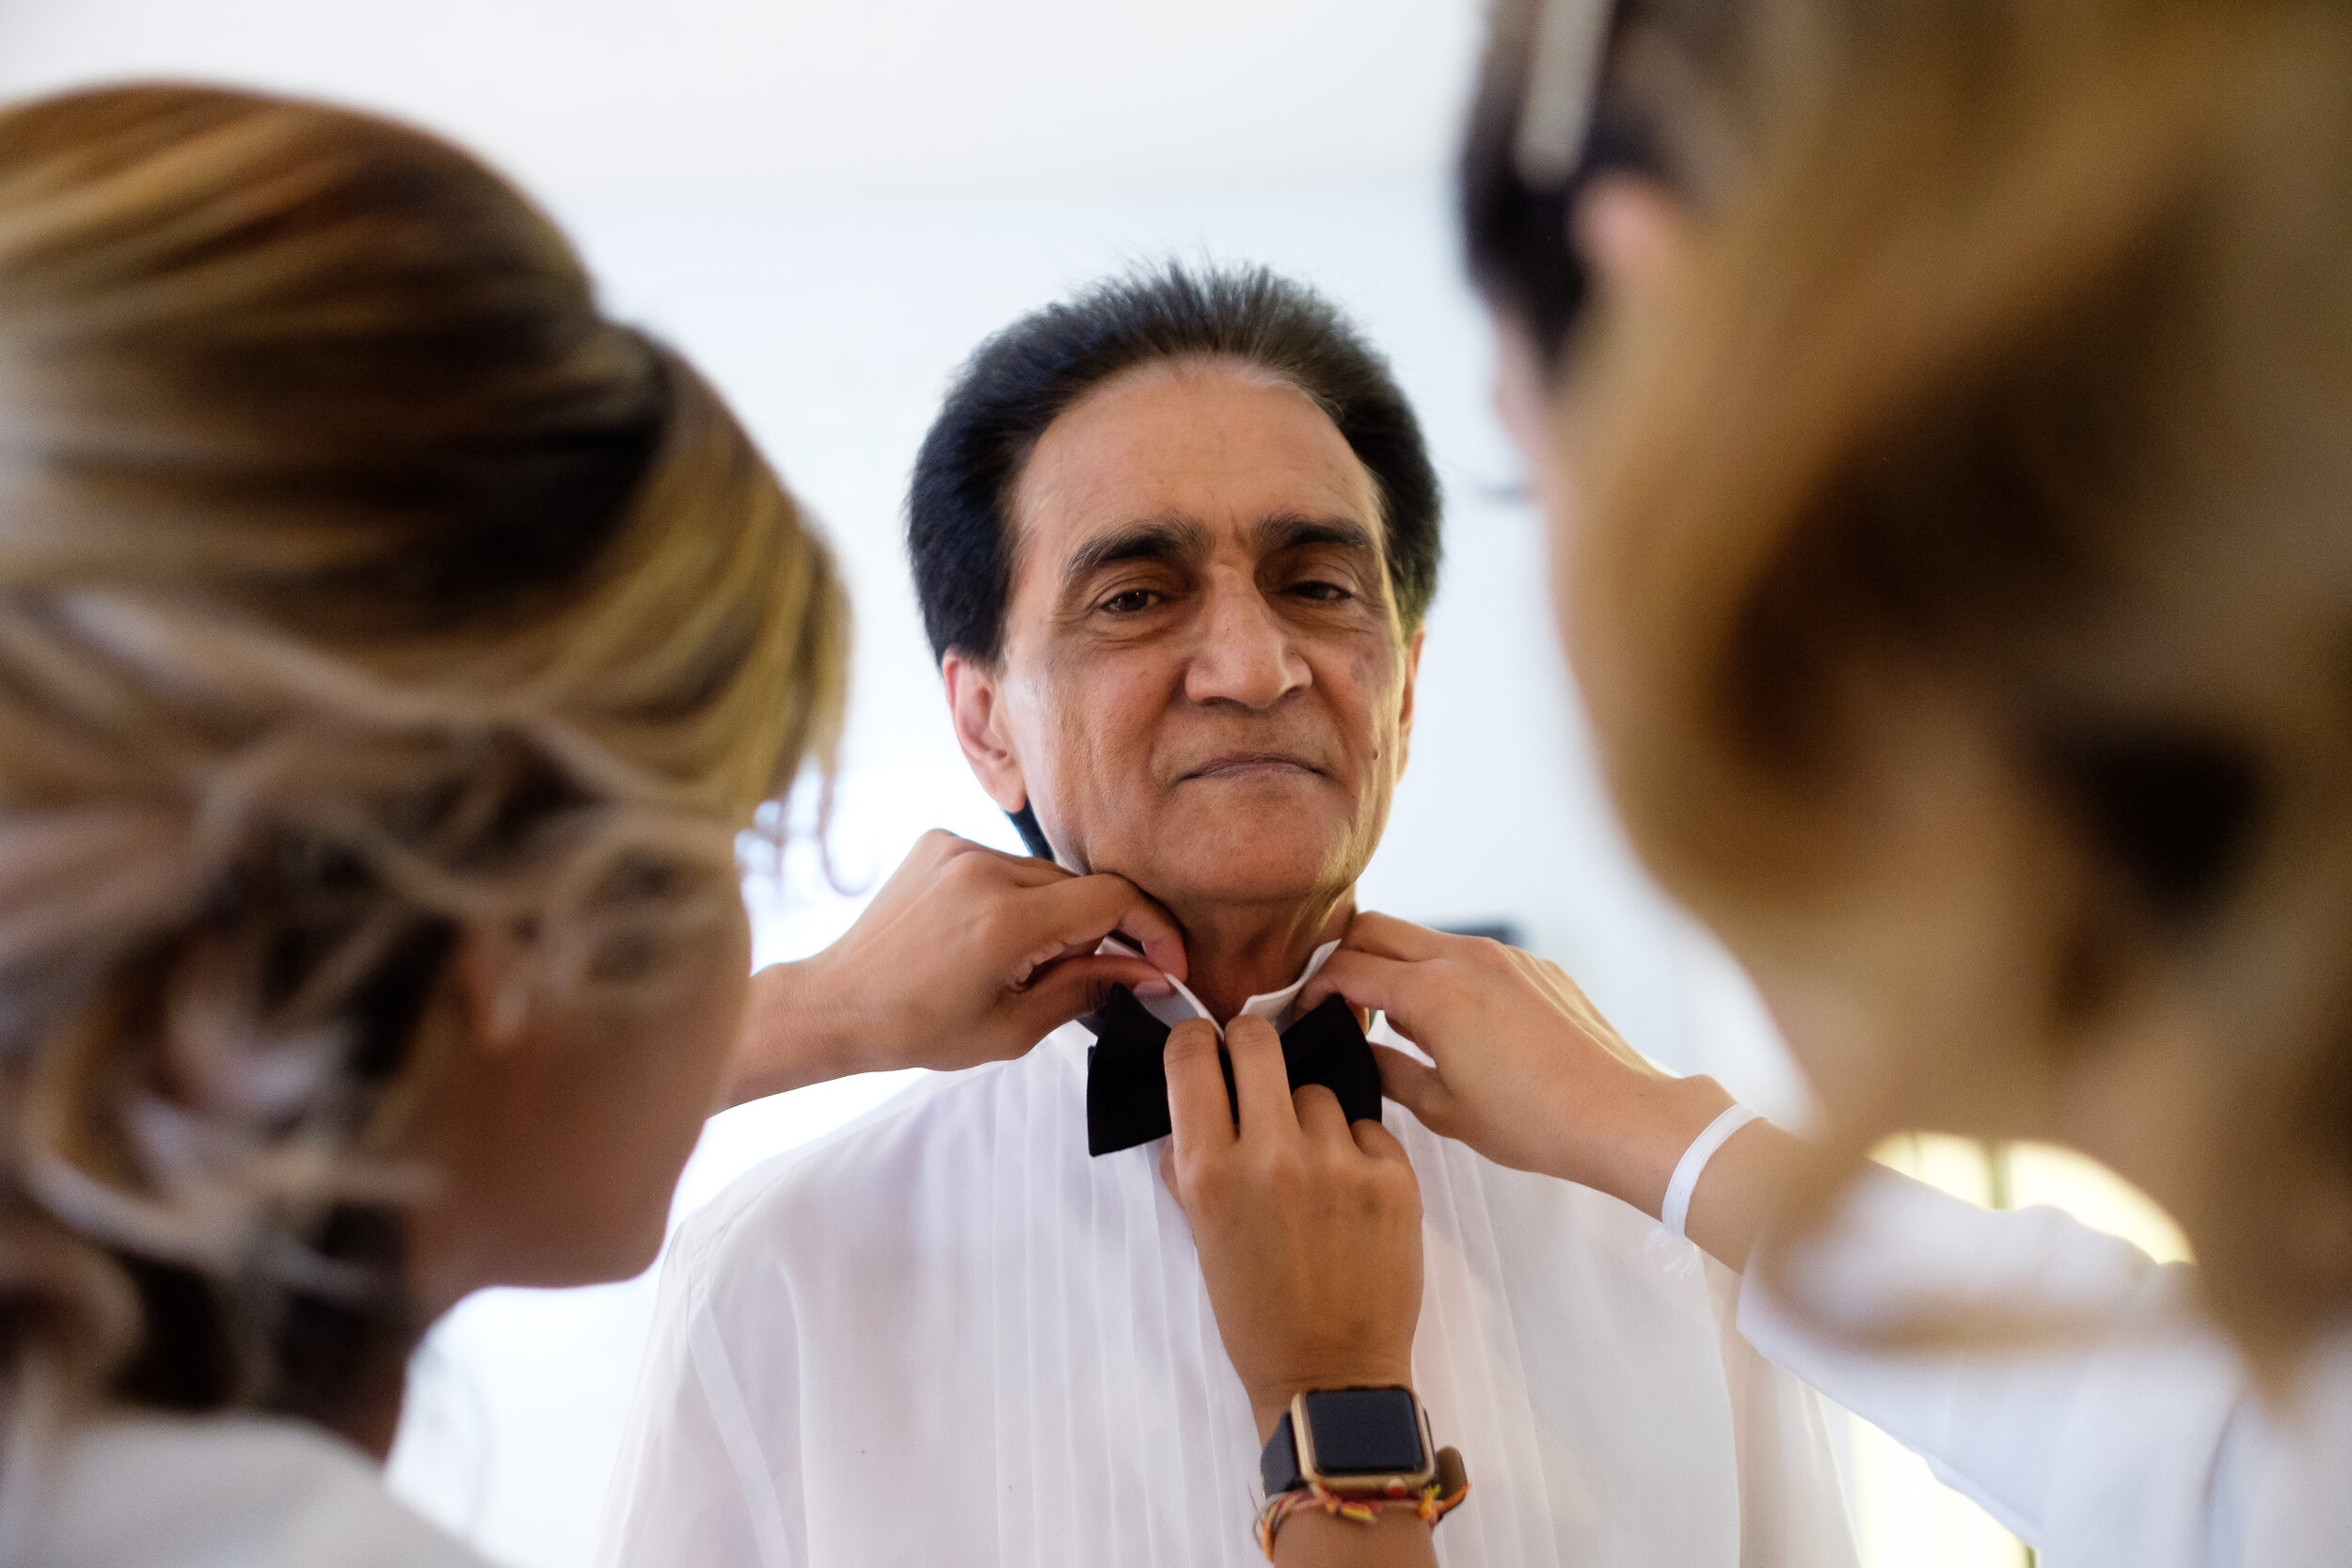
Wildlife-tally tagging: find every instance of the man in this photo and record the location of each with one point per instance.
(1174, 540)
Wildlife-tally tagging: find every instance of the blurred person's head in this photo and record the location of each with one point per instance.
(1957, 572)
(1589, 113)
(392, 649)
(1174, 540)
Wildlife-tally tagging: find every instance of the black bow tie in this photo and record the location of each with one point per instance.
(1127, 1082)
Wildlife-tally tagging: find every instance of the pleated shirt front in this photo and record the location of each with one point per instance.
(945, 1335)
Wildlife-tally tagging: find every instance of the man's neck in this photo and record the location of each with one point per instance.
(1234, 954)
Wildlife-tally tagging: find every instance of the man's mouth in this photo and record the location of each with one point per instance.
(1239, 765)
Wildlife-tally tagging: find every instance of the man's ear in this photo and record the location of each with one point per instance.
(1405, 703)
(973, 703)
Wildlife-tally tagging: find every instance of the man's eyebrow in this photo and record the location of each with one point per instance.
(1296, 531)
(1150, 539)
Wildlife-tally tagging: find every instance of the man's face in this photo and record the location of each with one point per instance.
(1203, 684)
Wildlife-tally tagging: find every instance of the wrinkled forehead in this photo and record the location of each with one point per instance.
(1219, 446)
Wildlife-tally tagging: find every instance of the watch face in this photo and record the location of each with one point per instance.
(1364, 1431)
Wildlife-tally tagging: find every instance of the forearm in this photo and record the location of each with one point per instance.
(964, 956)
(1626, 1141)
(1632, 1150)
(2025, 1427)
(805, 1033)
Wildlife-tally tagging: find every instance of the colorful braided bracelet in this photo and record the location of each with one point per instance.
(1432, 1503)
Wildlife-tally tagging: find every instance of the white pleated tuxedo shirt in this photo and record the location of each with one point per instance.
(944, 1335)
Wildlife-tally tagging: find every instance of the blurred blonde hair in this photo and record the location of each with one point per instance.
(2008, 398)
(359, 580)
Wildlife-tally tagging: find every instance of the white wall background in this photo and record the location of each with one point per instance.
(827, 206)
(730, 98)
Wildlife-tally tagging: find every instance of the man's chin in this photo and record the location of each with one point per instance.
(1243, 862)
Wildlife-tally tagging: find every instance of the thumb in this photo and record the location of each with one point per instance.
(1416, 1086)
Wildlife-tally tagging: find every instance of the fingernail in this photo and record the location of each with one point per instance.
(1156, 990)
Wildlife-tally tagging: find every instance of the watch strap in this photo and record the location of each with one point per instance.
(1278, 1465)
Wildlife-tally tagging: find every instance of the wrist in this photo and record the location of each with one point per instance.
(1636, 1158)
(1267, 1417)
(798, 1030)
(1270, 1402)
(1314, 1538)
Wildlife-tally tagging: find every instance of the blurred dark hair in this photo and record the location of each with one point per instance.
(1646, 119)
(958, 528)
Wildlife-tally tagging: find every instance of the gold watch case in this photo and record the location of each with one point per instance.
(1403, 1483)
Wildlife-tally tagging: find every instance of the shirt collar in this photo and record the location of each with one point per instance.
(1273, 1005)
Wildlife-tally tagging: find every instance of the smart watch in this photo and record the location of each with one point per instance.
(1352, 1442)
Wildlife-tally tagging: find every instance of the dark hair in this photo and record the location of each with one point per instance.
(1514, 229)
(1017, 383)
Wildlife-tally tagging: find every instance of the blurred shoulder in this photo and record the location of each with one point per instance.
(158, 1491)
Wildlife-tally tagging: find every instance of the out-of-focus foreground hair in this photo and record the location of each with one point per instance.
(359, 581)
(1997, 443)
(1670, 93)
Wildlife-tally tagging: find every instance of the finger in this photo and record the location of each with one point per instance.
(924, 862)
(936, 847)
(1261, 1083)
(1079, 912)
(1367, 981)
(1085, 980)
(1073, 986)
(1380, 1144)
(1020, 870)
(1320, 1119)
(1414, 1085)
(1391, 938)
(1145, 924)
(938, 850)
(1198, 1110)
(1031, 871)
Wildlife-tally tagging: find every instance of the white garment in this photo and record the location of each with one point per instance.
(153, 1491)
(946, 1335)
(2146, 1448)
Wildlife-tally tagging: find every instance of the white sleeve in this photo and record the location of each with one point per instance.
(2126, 1445)
(697, 1485)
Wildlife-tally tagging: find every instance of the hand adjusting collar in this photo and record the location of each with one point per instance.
(1127, 1081)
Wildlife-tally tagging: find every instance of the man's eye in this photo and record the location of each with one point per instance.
(1321, 593)
(1134, 601)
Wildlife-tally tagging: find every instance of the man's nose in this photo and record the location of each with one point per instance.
(1245, 653)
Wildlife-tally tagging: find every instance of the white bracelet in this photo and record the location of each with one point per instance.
(1676, 1208)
